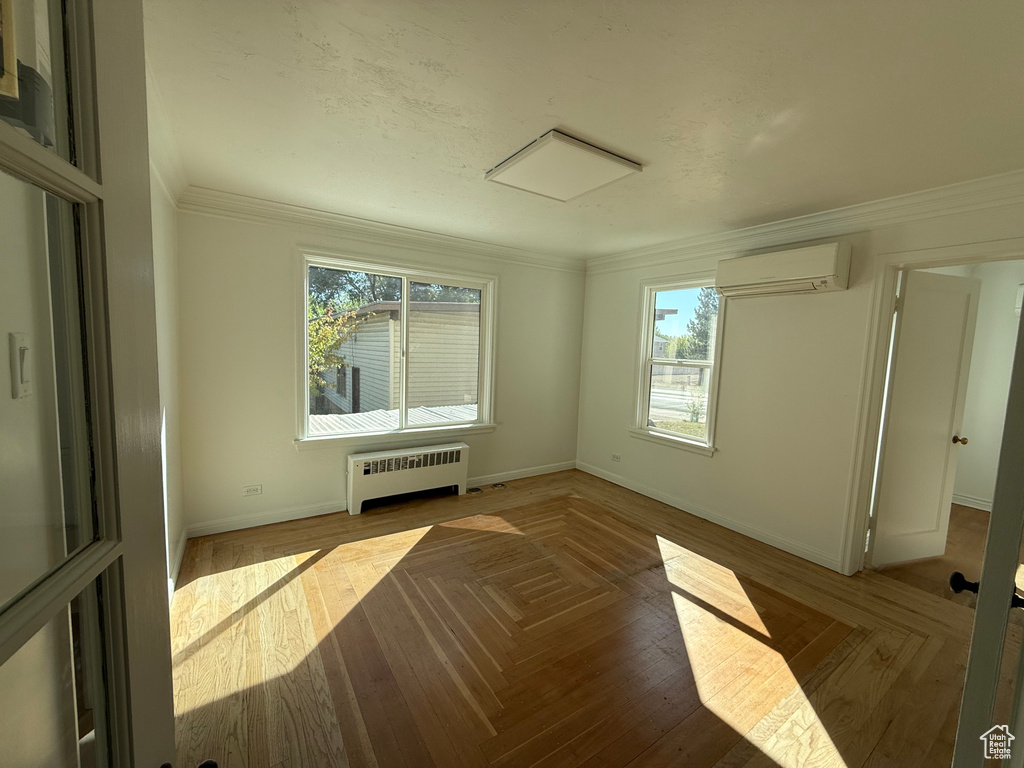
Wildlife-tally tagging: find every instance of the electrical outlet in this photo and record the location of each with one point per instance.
(252, 490)
(616, 457)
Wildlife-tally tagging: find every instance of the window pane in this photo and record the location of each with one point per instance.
(679, 399)
(52, 693)
(45, 455)
(354, 325)
(33, 89)
(444, 353)
(685, 322)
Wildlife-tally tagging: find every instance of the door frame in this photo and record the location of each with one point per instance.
(880, 326)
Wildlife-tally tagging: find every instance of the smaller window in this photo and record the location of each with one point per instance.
(341, 381)
(681, 341)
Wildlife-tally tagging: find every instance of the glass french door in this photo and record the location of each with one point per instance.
(82, 577)
(991, 725)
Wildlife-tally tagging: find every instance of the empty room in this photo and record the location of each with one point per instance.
(487, 384)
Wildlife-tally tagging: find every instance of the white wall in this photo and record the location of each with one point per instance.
(167, 181)
(989, 383)
(792, 392)
(165, 279)
(39, 727)
(240, 298)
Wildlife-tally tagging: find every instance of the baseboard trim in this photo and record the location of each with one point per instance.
(818, 556)
(519, 474)
(177, 555)
(239, 522)
(972, 501)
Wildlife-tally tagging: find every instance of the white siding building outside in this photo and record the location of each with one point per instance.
(443, 375)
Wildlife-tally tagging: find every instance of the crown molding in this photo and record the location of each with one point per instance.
(990, 192)
(228, 205)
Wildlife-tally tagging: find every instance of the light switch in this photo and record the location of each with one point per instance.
(21, 365)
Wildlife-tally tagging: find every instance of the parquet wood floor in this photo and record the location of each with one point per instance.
(965, 552)
(561, 621)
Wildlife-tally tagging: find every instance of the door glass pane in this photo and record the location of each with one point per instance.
(52, 694)
(354, 323)
(685, 322)
(679, 399)
(1008, 705)
(444, 353)
(45, 464)
(33, 88)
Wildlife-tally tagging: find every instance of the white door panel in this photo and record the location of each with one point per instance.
(931, 361)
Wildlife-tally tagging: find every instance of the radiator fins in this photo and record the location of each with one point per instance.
(412, 461)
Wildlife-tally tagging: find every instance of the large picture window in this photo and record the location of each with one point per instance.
(389, 350)
(678, 371)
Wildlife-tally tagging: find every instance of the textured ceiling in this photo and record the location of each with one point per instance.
(742, 112)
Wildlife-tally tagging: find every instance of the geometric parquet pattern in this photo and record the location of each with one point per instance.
(562, 621)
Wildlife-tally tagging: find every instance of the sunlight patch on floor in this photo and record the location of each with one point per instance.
(739, 676)
(215, 656)
(707, 581)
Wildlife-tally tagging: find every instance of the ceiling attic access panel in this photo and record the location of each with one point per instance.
(562, 168)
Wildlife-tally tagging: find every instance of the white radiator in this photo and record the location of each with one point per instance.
(385, 473)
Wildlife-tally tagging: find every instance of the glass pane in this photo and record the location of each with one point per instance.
(1008, 707)
(685, 322)
(679, 399)
(444, 353)
(354, 334)
(45, 459)
(52, 693)
(33, 89)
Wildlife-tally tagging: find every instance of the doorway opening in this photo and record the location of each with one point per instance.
(947, 384)
(950, 356)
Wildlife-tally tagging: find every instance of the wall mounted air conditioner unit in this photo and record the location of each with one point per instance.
(814, 269)
(386, 473)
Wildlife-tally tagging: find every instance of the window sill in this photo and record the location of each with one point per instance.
(390, 438)
(674, 442)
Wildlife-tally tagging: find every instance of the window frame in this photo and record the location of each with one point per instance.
(646, 361)
(486, 284)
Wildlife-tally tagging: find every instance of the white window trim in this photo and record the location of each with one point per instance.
(642, 393)
(403, 439)
(486, 284)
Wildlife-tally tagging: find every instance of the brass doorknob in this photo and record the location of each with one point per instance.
(961, 440)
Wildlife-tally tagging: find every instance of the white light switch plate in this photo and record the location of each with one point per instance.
(21, 365)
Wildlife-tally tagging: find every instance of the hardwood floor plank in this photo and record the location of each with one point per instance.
(451, 737)
(559, 621)
(922, 708)
(354, 662)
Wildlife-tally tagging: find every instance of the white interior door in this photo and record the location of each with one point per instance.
(935, 322)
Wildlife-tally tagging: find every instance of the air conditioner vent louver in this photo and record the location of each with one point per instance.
(387, 473)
